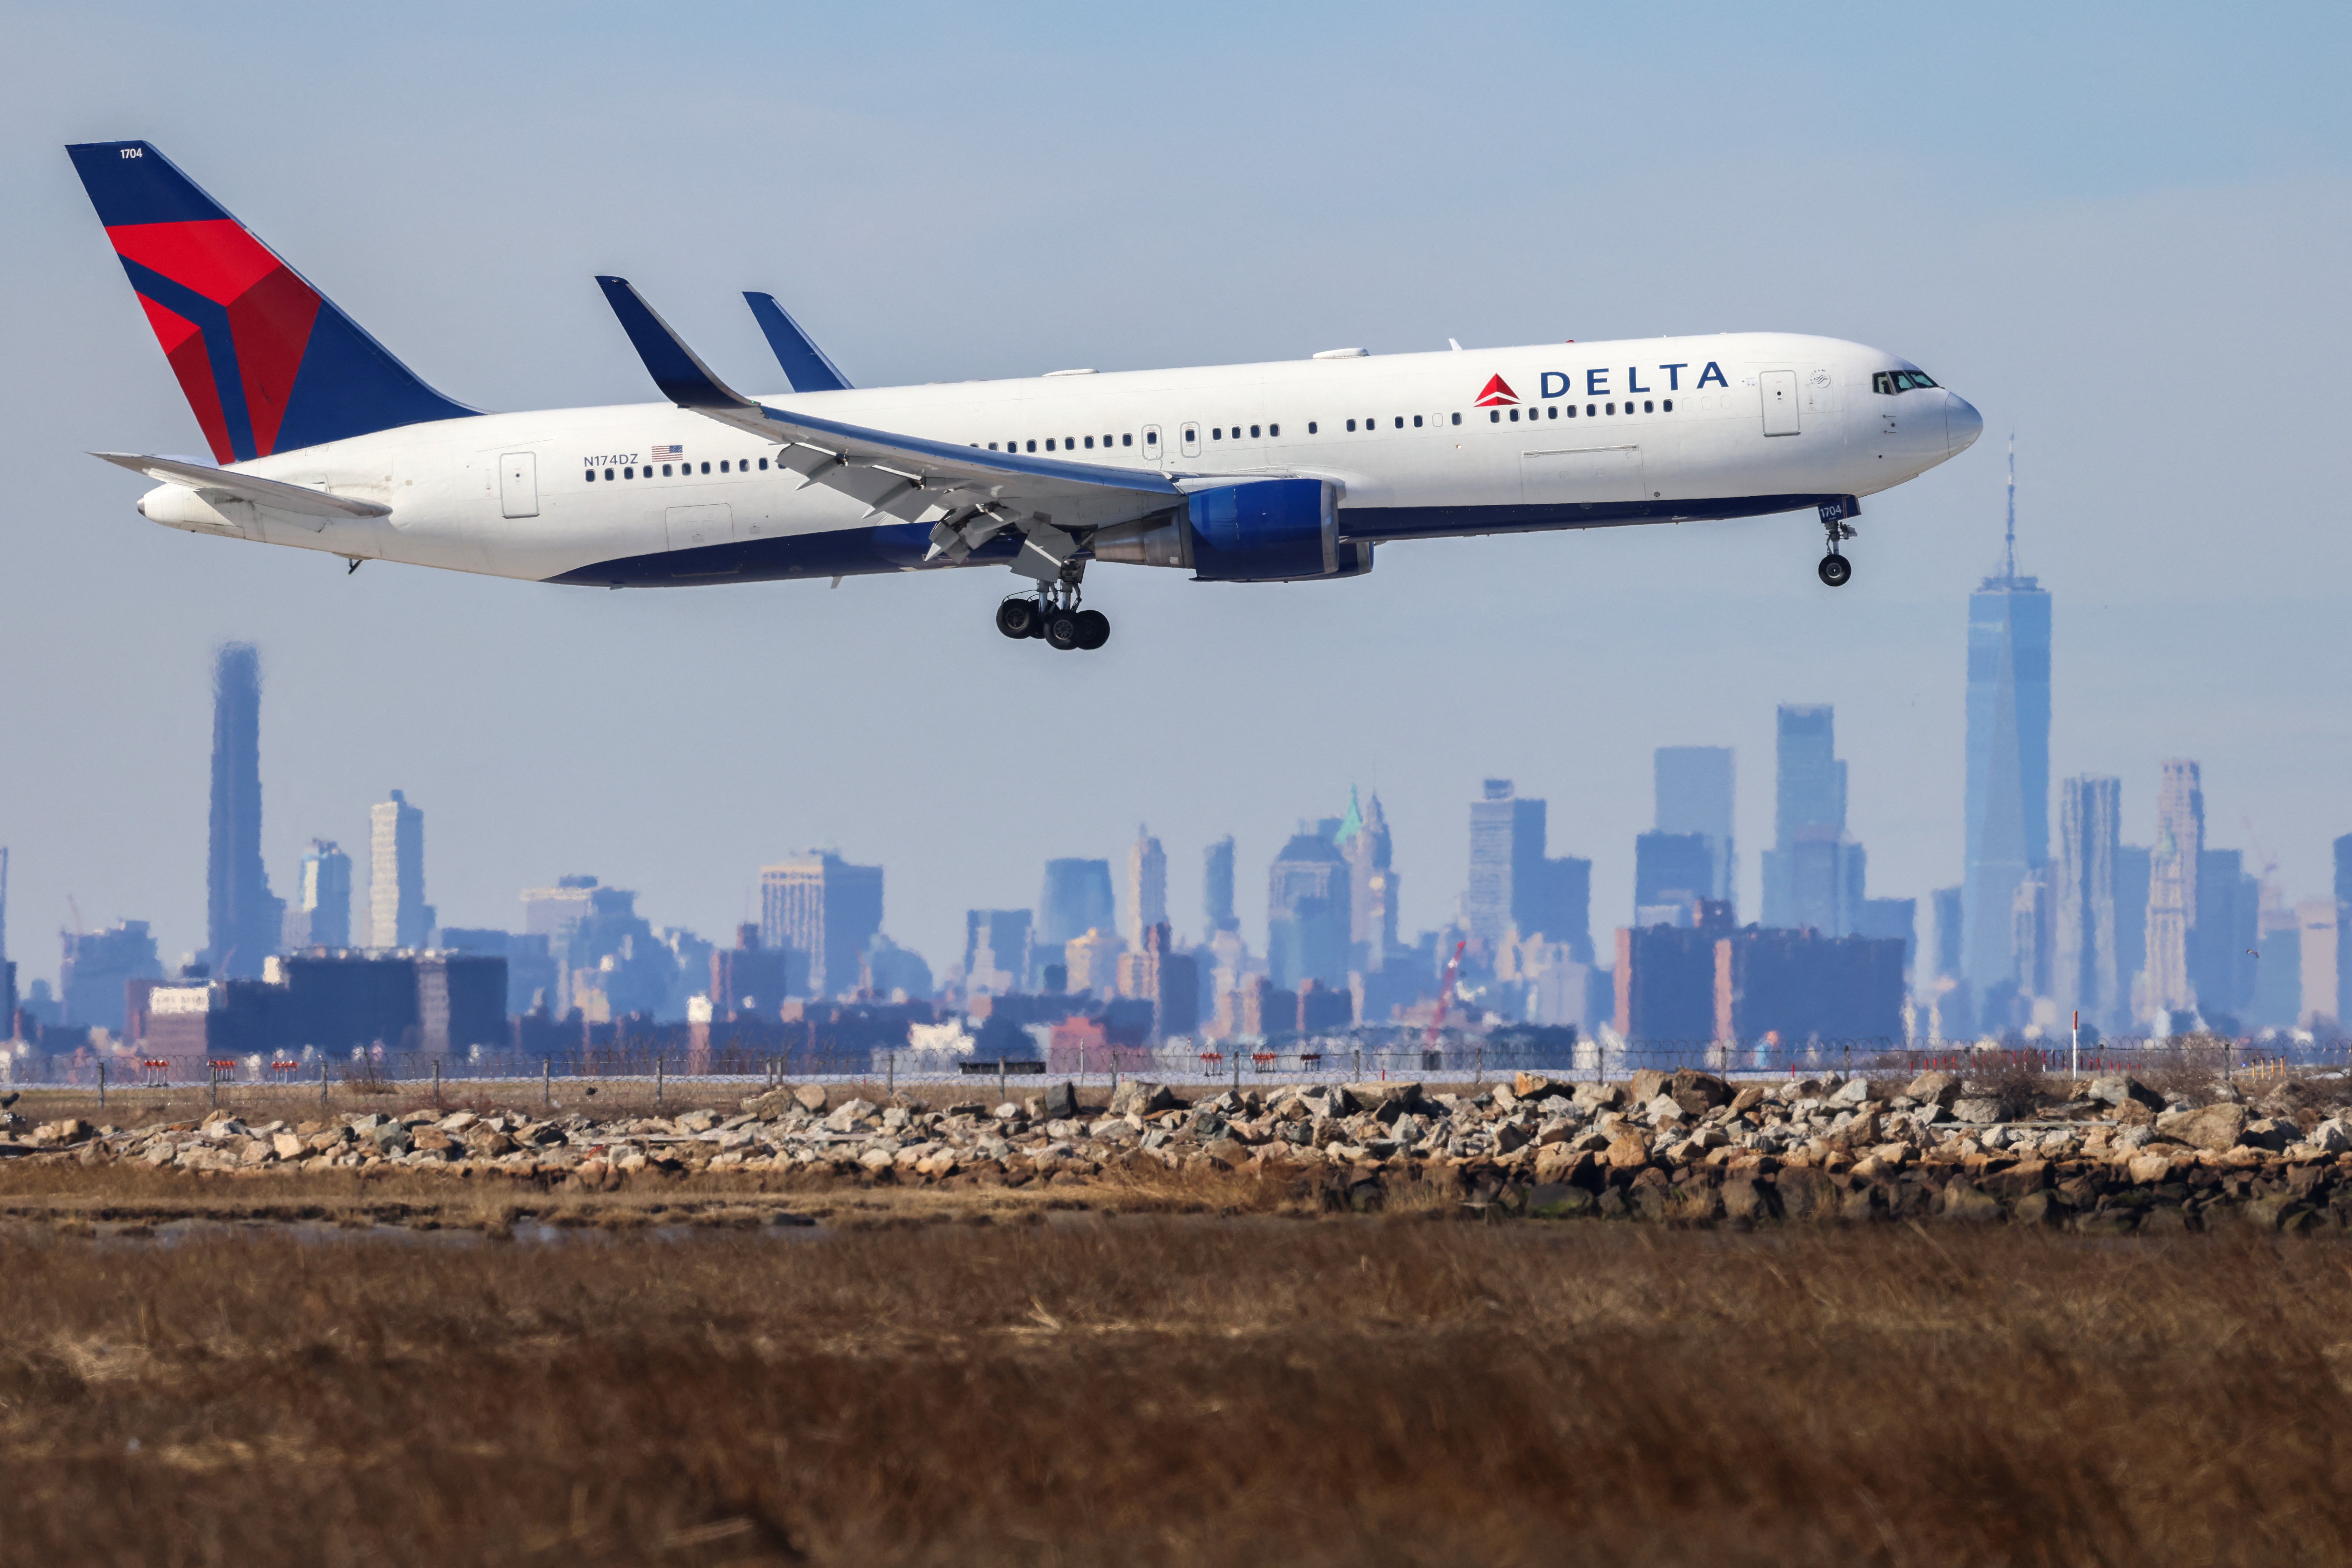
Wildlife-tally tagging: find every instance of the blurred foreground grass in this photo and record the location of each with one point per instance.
(1170, 1390)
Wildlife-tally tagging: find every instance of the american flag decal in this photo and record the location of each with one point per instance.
(661, 452)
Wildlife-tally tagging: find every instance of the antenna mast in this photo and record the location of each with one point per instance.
(2008, 568)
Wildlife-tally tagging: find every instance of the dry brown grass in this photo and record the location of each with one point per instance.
(1172, 1391)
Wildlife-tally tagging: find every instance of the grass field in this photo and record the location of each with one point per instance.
(1142, 1389)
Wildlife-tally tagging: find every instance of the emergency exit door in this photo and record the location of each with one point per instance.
(519, 484)
(1780, 402)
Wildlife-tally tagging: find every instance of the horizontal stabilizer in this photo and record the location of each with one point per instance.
(211, 482)
(806, 365)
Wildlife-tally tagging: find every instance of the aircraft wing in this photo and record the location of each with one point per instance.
(222, 484)
(974, 494)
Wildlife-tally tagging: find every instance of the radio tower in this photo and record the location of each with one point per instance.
(2008, 563)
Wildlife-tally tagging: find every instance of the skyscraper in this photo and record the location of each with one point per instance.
(2223, 935)
(2086, 967)
(1694, 790)
(2172, 888)
(2343, 1013)
(821, 905)
(1307, 907)
(1515, 887)
(1813, 874)
(1363, 840)
(1075, 900)
(996, 950)
(2008, 784)
(398, 914)
(1147, 887)
(321, 916)
(1217, 888)
(243, 920)
(1672, 871)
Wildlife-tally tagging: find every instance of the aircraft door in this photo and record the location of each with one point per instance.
(519, 484)
(1780, 388)
(1152, 450)
(1191, 440)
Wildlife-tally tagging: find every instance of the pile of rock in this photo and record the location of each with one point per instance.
(1687, 1144)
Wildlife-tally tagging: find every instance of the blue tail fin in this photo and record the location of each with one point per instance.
(268, 364)
(804, 364)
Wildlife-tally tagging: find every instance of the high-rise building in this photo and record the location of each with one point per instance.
(1307, 913)
(1157, 974)
(2172, 889)
(1092, 962)
(243, 920)
(821, 905)
(2132, 873)
(1363, 839)
(97, 965)
(1077, 899)
(1694, 790)
(1515, 888)
(2320, 968)
(321, 915)
(1217, 888)
(996, 956)
(1671, 872)
(398, 914)
(1946, 904)
(2086, 966)
(2343, 1013)
(2277, 1002)
(2029, 918)
(2223, 936)
(1147, 887)
(2007, 782)
(1813, 874)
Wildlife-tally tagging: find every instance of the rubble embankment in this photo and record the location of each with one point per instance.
(2106, 1155)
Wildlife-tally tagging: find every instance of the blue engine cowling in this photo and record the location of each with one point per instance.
(1262, 531)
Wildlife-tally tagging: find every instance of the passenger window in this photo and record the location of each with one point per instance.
(1127, 439)
(1590, 411)
(592, 474)
(1352, 425)
(1610, 409)
(991, 446)
(763, 465)
(1274, 430)
(1494, 417)
(1090, 443)
(1049, 445)
(1217, 433)
(665, 470)
(1571, 411)
(1669, 405)
(628, 473)
(1310, 426)
(1551, 410)
(1515, 416)
(1646, 407)
(1252, 432)
(1416, 421)
(1457, 419)
(1151, 437)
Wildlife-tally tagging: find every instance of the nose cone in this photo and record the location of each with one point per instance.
(1962, 423)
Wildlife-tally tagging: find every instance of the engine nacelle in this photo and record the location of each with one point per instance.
(1261, 530)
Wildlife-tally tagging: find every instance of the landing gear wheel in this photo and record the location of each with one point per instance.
(1061, 629)
(1018, 617)
(1094, 630)
(1835, 568)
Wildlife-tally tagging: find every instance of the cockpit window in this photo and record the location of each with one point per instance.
(1894, 381)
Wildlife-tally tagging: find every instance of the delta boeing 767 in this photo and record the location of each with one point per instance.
(1281, 472)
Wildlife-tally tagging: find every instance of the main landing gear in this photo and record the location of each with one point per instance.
(1053, 614)
(1835, 570)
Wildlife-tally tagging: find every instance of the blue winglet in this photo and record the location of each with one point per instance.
(683, 378)
(804, 364)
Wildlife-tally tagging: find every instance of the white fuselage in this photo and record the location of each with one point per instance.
(1660, 428)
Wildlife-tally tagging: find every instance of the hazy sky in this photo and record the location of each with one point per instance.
(2121, 231)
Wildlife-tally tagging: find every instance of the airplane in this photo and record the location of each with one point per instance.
(1287, 471)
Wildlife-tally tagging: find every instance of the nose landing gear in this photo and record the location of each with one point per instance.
(1053, 614)
(1835, 570)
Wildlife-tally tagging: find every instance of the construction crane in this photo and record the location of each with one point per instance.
(1445, 993)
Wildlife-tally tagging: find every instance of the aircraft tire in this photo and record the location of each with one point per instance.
(1061, 630)
(1018, 617)
(1835, 570)
(1094, 630)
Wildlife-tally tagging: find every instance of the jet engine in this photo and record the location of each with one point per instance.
(1259, 531)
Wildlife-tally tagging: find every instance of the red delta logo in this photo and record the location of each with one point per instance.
(1495, 393)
